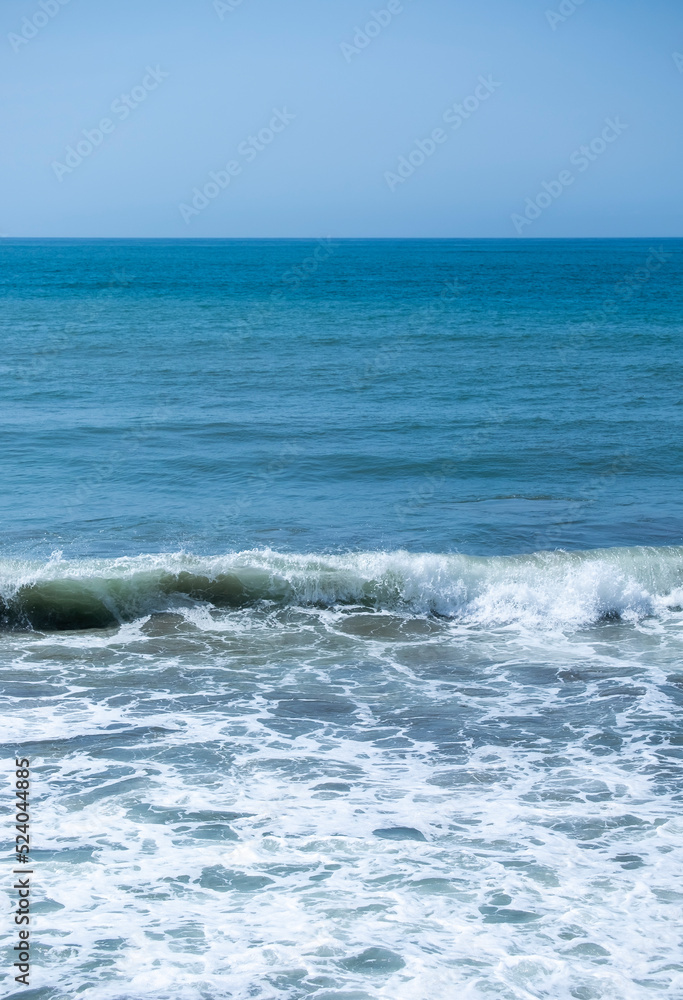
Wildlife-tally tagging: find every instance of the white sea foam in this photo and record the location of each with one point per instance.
(565, 589)
(242, 801)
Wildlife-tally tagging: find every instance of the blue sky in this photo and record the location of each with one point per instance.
(263, 118)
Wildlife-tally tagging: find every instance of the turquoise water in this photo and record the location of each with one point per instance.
(340, 591)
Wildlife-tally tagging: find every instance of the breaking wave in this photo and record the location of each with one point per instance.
(554, 588)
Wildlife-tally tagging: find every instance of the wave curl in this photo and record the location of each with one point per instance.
(555, 588)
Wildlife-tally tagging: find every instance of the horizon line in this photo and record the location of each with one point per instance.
(348, 239)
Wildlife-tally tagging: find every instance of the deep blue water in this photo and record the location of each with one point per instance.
(341, 616)
(474, 396)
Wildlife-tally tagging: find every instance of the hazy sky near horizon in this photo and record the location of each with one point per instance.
(249, 118)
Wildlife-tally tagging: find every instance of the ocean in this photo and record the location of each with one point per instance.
(341, 590)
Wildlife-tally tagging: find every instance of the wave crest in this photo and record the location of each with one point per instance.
(552, 588)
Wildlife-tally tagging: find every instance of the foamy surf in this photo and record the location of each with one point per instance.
(556, 589)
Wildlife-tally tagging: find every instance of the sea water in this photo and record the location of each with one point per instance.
(340, 605)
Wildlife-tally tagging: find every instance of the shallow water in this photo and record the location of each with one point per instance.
(324, 802)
